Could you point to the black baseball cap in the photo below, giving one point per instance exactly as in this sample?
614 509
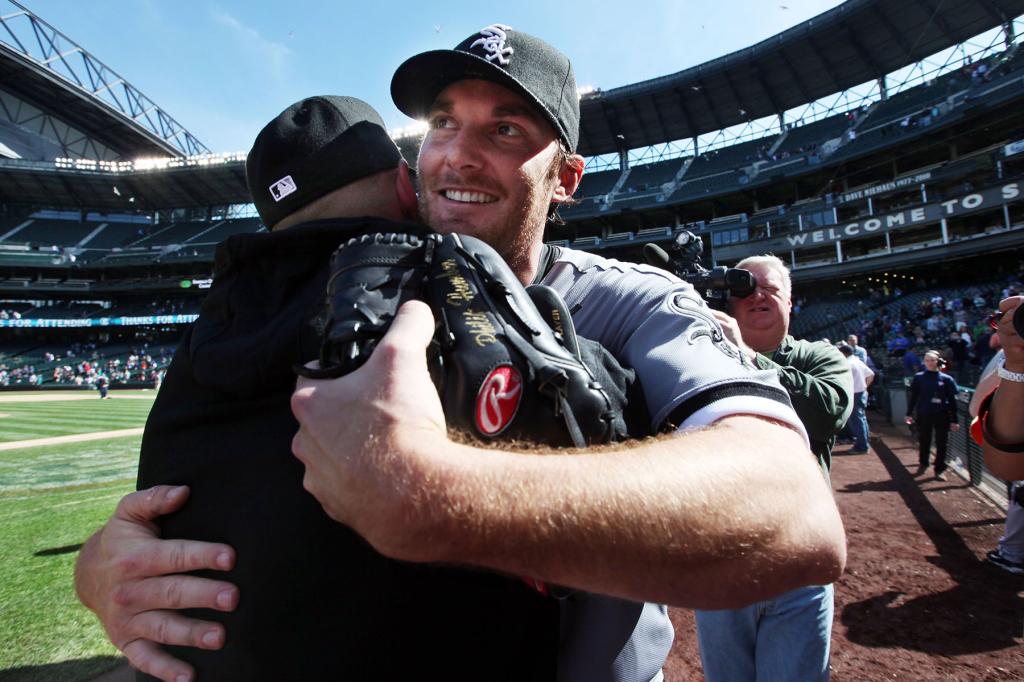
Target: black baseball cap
312 148
513 59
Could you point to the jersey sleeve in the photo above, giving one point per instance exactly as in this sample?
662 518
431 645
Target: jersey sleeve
651 321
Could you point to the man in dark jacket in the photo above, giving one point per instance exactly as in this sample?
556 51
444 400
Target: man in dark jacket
932 406
222 425
787 637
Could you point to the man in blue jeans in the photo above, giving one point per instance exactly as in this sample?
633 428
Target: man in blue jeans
862 378
785 638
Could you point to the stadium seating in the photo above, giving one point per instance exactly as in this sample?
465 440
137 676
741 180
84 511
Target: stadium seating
813 134
651 176
52 232
597 184
727 158
116 235
223 230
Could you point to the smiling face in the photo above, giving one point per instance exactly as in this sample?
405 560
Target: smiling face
490 166
763 317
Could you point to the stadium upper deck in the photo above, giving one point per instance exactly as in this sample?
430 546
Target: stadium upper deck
786 180
59 98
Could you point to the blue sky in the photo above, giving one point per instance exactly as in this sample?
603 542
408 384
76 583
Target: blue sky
223 69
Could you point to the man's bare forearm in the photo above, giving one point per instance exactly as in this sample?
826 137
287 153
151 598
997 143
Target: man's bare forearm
709 519
1004 426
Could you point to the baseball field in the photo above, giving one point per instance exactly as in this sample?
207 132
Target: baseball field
65 460
917 601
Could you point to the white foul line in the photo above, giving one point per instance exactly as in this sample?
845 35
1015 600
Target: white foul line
73 438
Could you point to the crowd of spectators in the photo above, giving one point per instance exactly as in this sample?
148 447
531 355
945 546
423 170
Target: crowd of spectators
957 326
25 375
84 365
138 366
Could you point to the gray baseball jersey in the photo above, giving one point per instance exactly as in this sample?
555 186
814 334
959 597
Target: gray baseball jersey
691 376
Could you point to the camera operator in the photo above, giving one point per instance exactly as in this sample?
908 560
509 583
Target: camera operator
785 638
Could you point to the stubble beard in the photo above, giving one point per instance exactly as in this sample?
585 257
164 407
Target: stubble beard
521 229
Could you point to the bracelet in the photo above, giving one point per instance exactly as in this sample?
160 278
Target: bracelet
987 436
1007 375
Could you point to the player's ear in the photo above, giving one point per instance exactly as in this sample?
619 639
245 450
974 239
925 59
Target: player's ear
405 192
570 172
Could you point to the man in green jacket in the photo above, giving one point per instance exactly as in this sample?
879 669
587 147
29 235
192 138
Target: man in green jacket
785 638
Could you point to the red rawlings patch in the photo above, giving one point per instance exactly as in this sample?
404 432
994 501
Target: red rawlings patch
498 400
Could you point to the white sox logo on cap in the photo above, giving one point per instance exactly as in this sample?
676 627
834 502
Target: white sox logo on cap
493 42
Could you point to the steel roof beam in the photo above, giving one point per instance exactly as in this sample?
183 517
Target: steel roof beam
639 118
659 117
712 111
993 11
936 18
861 52
824 62
685 109
795 76
894 35
765 90
740 108
62 57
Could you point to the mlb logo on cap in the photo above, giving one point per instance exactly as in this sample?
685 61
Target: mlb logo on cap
283 187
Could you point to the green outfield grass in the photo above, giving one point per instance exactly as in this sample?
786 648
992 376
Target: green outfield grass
51 499
24 421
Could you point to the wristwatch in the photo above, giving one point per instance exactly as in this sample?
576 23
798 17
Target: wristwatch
1007 375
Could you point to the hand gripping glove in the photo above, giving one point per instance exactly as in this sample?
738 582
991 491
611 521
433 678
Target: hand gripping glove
502 371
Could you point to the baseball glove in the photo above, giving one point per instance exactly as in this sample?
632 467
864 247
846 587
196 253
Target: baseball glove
371 276
503 370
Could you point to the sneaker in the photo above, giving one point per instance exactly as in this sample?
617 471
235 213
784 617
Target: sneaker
1015 567
855 451
921 468
940 476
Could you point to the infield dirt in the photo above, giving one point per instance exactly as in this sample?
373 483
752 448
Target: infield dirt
918 601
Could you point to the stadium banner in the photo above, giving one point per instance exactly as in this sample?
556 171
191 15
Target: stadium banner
885 187
983 200
1013 148
137 321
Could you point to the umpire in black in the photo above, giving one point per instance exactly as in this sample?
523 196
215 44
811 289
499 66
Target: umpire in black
322 171
932 406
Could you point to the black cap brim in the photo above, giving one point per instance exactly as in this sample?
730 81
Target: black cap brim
420 79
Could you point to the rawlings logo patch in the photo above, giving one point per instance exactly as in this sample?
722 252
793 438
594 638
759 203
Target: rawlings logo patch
493 43
498 400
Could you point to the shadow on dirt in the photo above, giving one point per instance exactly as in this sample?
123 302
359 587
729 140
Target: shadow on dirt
983 612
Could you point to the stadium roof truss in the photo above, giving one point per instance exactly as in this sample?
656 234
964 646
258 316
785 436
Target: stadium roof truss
855 43
41 65
835 62
52 132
